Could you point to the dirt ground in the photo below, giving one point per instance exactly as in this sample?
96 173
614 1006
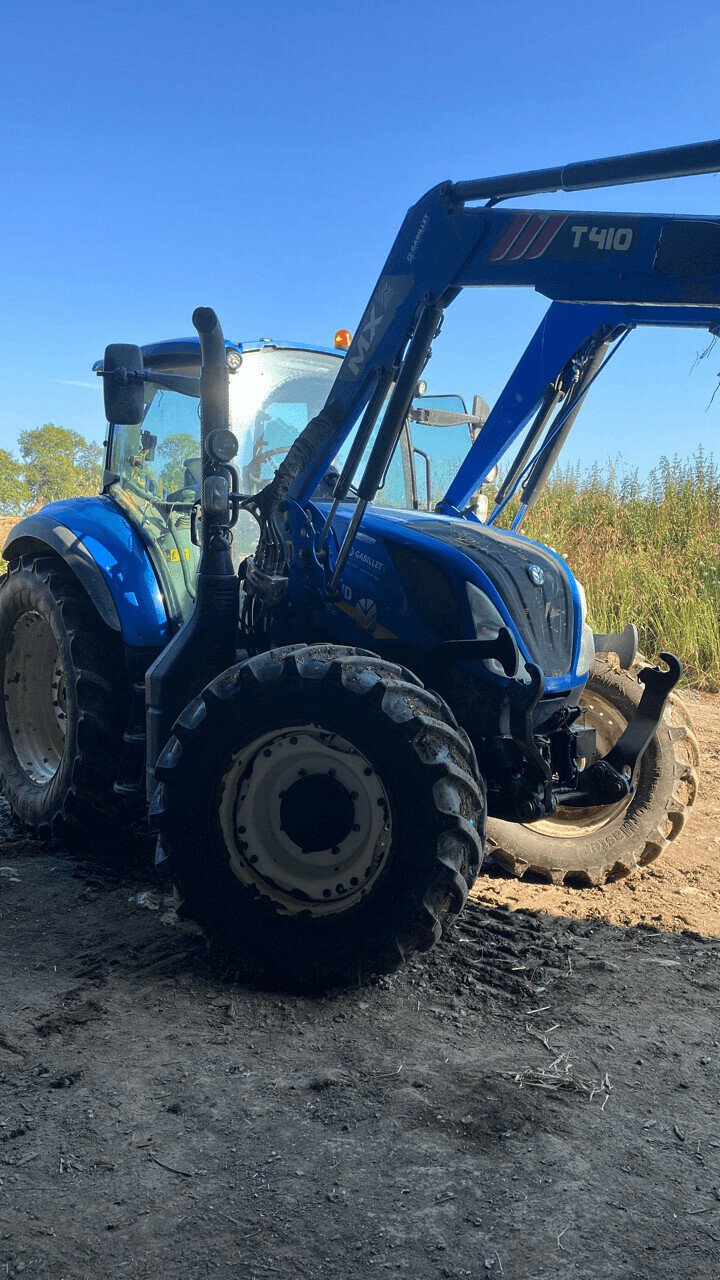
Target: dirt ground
539 1098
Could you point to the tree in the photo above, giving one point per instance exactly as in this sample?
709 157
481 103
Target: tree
59 463
14 492
173 451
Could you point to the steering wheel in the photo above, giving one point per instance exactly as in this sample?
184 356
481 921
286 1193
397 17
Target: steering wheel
257 460
269 453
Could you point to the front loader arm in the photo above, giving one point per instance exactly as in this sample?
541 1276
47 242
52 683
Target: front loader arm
427 254
445 245
563 331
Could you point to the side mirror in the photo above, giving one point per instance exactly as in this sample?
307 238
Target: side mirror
481 409
123 387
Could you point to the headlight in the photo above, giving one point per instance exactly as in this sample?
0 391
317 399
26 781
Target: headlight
487 621
583 600
586 656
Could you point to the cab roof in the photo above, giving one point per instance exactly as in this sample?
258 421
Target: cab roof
182 349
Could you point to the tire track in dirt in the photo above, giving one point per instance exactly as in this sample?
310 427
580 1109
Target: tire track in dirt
536 1098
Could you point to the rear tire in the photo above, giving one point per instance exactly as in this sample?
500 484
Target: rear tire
360 834
585 847
65 703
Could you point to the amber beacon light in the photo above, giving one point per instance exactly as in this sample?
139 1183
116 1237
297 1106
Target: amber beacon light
343 338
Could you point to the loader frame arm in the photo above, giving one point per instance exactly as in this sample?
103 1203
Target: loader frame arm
597 269
564 334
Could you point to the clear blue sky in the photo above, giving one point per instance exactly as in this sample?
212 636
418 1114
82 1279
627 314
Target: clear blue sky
260 158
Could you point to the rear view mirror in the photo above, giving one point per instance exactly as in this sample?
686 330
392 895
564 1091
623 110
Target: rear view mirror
123 388
449 411
441 418
481 410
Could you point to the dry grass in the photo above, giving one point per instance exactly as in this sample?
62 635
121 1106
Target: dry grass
647 552
561 1075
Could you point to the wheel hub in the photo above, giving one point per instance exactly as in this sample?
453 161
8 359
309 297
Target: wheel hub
35 688
316 812
306 819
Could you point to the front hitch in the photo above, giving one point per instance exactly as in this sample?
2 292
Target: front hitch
615 776
528 795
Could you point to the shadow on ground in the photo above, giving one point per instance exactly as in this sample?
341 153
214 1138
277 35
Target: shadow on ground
536 1098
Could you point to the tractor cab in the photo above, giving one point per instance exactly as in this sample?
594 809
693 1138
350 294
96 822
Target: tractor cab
154 467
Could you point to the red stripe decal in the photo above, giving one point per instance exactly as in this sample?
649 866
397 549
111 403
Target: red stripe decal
508 237
547 235
526 238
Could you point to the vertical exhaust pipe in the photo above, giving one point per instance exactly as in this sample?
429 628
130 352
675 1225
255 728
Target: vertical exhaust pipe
207 643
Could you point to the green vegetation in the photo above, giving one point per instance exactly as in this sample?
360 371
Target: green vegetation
15 494
646 552
58 463
54 463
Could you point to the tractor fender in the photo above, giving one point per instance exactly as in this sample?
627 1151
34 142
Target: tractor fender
105 551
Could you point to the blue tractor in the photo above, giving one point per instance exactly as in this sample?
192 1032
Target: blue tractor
285 625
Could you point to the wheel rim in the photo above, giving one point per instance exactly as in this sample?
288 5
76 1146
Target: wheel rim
36 698
570 823
306 819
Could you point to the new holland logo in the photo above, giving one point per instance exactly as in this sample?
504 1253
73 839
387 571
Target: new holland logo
366 612
527 236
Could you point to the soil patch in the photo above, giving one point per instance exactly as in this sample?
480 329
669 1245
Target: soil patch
536 1099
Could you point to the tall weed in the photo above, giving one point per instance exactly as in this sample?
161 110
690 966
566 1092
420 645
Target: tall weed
646 550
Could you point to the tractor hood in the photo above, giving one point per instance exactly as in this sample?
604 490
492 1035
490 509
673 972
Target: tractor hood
436 557
534 585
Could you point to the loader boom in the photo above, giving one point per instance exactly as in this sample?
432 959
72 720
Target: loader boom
624 270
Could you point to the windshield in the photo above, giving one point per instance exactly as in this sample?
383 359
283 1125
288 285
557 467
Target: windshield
157 466
438 451
273 396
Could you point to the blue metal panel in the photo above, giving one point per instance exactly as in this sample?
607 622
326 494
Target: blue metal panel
460 568
371 576
99 526
571 267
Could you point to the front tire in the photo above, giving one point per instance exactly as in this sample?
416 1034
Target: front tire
64 705
323 814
